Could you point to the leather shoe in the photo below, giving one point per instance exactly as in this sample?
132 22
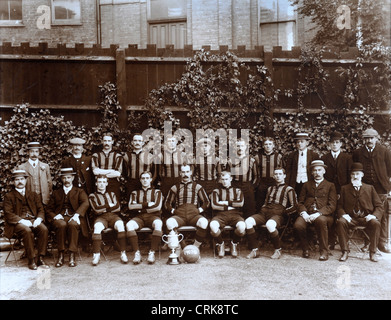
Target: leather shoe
373 257
60 260
324 257
384 249
72 262
344 256
306 254
32 265
41 262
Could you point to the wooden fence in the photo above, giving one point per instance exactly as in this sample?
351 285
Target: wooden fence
66 79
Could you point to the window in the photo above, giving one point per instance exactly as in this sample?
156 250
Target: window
277 20
66 12
167 22
167 10
11 12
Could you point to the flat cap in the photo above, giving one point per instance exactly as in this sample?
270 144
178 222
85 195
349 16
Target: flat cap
370 133
77 141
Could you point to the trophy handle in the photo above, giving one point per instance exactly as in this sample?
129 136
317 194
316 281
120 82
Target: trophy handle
164 235
181 236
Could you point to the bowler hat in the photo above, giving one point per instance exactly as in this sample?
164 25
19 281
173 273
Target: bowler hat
301 135
77 140
66 171
318 163
19 173
369 133
357 166
34 145
336 135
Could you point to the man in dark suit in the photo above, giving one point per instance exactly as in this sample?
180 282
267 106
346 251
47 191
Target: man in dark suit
316 206
24 216
337 171
359 205
376 161
81 165
298 163
66 213
338 163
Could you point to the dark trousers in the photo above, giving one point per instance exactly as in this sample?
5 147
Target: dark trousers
249 206
66 230
372 228
28 233
322 225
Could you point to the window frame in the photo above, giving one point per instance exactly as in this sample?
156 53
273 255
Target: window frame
279 22
65 22
11 22
182 18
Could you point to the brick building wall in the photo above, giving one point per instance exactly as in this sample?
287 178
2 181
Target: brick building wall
29 32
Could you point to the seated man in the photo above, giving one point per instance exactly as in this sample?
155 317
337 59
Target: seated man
147 202
227 204
183 202
359 205
106 207
280 200
65 211
317 203
24 216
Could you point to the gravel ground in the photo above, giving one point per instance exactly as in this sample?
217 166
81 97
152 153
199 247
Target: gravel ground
289 278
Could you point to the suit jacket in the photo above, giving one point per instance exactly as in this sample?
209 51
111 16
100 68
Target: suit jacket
291 166
367 197
78 200
13 203
45 179
338 172
85 171
381 163
324 196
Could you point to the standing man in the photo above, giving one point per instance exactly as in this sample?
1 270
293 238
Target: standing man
338 162
24 216
147 202
137 161
81 165
171 162
39 178
66 212
338 165
376 161
227 204
298 163
186 201
108 163
359 205
281 200
245 175
106 208
317 203
267 161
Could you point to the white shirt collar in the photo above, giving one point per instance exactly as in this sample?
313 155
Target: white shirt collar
66 190
21 191
33 163
335 153
77 156
318 182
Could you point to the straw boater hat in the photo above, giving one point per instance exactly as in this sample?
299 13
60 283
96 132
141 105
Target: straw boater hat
66 171
77 140
318 163
34 145
369 133
19 173
302 135
357 166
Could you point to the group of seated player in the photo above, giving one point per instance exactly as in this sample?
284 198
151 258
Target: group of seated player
243 192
